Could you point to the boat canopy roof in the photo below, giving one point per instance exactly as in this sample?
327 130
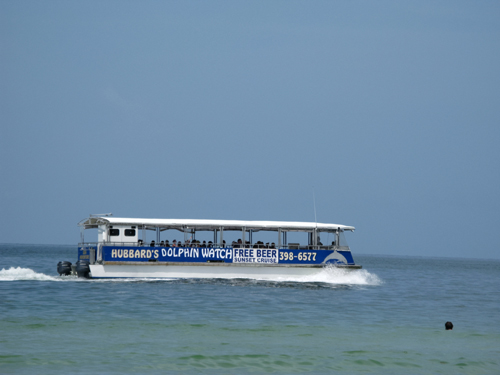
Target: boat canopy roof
95 221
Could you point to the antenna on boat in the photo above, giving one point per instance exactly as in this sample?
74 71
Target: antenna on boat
314 203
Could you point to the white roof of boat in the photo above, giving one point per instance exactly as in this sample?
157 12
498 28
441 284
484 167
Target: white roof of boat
93 221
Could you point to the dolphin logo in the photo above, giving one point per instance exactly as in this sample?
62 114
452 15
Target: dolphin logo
335 258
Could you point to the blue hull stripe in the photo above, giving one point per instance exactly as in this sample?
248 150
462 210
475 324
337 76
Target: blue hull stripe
226 255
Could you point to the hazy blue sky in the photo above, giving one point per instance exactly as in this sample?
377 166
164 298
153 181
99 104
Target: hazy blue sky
389 110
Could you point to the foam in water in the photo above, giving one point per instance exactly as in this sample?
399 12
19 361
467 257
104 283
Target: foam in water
331 275
15 274
335 275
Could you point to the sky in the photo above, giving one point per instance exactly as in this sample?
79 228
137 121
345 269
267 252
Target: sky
384 115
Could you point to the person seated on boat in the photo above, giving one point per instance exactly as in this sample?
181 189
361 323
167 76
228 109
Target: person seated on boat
179 244
152 244
167 244
162 243
140 243
273 246
210 244
333 243
267 245
204 244
234 244
174 243
188 243
224 243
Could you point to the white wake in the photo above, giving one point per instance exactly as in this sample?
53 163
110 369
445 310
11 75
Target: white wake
16 274
331 275
335 275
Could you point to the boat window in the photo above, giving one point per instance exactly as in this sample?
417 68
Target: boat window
342 240
130 232
114 232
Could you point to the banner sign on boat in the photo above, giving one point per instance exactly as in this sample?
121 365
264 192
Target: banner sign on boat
257 256
225 255
166 254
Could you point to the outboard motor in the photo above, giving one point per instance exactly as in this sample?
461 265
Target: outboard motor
83 268
64 268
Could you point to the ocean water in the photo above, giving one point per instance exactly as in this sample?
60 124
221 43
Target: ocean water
386 318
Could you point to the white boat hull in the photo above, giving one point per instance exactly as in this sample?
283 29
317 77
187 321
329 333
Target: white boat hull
204 271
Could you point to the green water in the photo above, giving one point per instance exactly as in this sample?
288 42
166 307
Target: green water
388 319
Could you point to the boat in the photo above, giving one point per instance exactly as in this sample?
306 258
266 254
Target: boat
146 248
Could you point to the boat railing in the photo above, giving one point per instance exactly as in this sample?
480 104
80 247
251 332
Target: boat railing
88 244
290 246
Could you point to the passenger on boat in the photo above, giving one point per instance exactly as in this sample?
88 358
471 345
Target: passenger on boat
204 244
162 243
174 243
167 244
210 244
152 244
223 243
140 243
179 244
273 246
188 243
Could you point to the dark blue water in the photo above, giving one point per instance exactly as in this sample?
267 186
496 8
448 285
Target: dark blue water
387 318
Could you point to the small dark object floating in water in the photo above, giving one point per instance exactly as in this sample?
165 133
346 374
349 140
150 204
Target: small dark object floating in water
64 268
